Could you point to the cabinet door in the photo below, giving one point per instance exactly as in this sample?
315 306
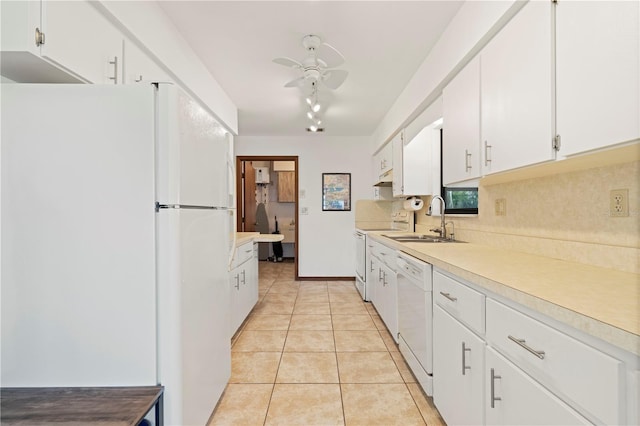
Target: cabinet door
397 183
137 67
461 126
516 86
458 371
514 398
417 170
236 300
386 158
389 301
81 40
374 280
598 75
286 187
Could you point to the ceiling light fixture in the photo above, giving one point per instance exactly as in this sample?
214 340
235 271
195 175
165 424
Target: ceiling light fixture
310 115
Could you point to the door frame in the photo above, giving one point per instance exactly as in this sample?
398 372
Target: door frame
294 158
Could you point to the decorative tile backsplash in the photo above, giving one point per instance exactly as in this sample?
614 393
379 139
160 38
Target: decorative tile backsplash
564 216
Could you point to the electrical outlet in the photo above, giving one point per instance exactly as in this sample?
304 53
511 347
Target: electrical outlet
501 207
619 203
304 210
303 193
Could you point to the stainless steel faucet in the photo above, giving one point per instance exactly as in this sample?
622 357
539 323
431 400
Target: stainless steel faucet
443 227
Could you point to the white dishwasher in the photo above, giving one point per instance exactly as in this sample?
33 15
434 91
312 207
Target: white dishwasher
415 318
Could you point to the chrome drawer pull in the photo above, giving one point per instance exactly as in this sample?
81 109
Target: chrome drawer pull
244 277
494 398
522 343
237 286
464 360
449 296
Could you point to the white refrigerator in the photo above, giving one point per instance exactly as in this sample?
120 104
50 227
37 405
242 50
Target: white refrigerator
117 232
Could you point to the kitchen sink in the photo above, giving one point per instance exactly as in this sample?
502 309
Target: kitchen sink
419 238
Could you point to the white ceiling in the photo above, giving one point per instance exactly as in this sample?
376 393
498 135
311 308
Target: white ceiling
383 42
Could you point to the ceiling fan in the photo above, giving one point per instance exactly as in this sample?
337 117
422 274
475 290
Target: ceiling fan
314 69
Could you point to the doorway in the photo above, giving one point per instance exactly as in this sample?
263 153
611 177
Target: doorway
267 194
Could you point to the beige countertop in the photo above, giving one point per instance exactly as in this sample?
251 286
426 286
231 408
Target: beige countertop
245 237
604 303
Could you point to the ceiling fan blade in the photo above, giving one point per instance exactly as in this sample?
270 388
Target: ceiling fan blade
298 82
288 62
330 55
334 78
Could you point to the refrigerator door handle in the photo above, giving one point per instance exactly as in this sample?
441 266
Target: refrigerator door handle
187 206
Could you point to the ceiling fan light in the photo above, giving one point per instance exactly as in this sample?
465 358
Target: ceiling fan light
319 122
316 107
310 115
313 128
309 101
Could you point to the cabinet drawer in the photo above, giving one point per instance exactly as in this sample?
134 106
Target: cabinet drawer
581 375
462 302
243 253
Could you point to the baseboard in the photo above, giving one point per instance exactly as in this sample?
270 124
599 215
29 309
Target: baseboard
325 278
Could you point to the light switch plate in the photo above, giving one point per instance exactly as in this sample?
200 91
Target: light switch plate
304 210
303 193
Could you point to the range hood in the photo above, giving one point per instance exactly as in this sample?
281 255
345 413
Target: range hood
385 179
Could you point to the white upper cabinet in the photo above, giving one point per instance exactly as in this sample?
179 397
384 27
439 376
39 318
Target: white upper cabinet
598 75
517 92
386 159
461 126
417 175
397 144
79 39
21 37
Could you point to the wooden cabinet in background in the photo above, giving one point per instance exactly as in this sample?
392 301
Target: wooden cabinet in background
286 187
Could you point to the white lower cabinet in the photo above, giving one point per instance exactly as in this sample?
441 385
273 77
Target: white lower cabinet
458 370
514 398
385 285
388 297
496 362
243 280
574 371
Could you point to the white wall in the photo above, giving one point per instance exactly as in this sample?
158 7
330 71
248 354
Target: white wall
325 239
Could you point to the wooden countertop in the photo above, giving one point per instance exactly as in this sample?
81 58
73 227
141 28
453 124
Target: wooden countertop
601 302
104 406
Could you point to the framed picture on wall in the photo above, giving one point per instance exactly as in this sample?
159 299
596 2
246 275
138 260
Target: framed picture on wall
336 192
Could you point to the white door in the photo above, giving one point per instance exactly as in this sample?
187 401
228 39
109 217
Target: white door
79 39
458 371
193 152
517 92
598 74
514 398
193 312
461 125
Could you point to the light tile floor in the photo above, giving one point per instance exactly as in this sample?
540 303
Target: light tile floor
313 353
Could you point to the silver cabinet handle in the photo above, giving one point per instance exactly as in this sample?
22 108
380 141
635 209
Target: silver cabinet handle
465 367
115 70
371 267
237 286
487 148
494 398
467 157
244 277
449 296
522 343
